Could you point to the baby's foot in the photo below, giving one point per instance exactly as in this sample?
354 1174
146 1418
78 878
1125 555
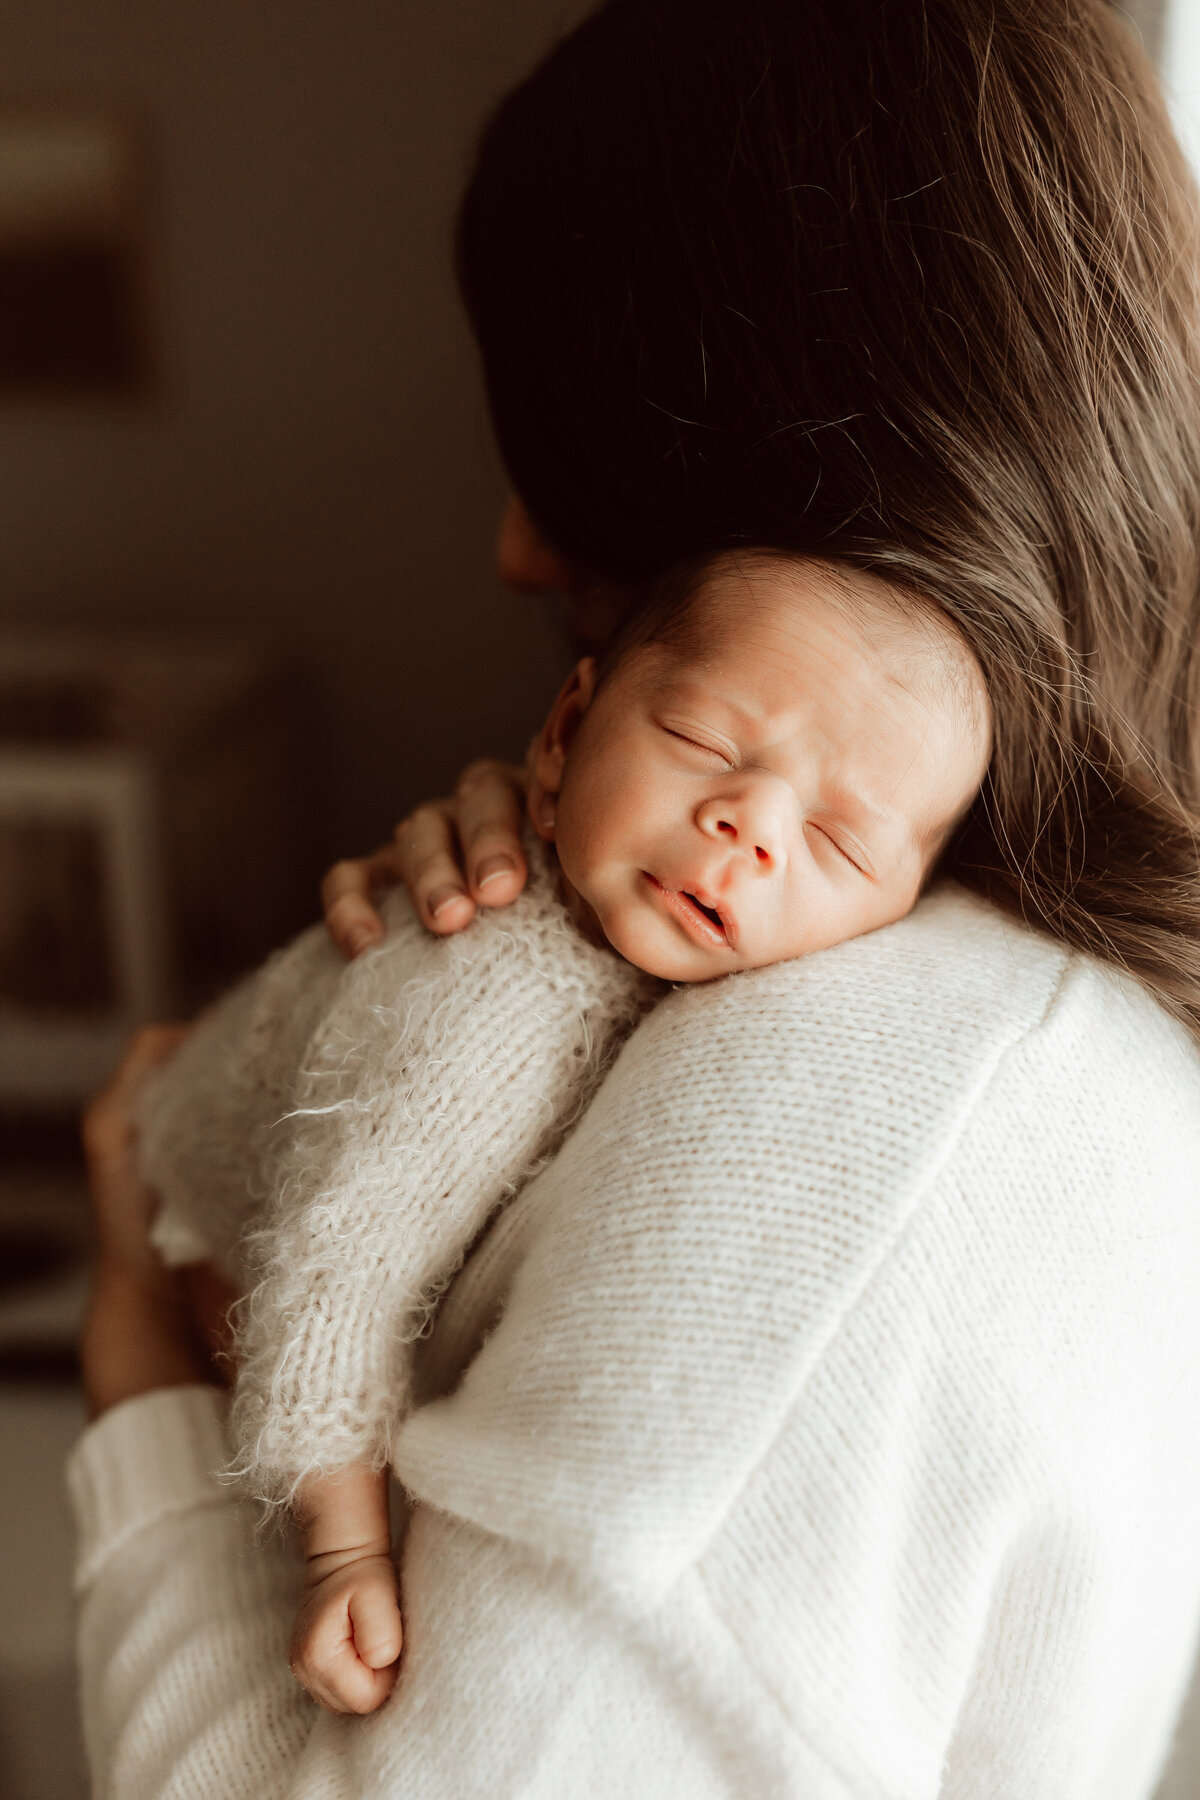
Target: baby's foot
347 1636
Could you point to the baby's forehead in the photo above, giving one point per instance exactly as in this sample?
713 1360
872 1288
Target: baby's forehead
880 673
744 607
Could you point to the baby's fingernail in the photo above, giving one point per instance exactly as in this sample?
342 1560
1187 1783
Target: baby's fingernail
443 897
493 867
362 939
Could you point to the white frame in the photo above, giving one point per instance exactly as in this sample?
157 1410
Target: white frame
57 1060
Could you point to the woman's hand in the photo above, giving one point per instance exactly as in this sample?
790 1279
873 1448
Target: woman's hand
138 1334
122 1205
451 855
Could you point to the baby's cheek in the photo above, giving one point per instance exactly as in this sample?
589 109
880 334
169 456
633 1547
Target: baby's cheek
625 931
579 833
642 941
815 916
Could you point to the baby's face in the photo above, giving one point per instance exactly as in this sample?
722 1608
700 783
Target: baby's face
776 783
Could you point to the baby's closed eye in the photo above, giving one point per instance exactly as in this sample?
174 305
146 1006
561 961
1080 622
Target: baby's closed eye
835 843
721 752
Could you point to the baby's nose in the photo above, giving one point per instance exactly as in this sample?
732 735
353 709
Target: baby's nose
747 823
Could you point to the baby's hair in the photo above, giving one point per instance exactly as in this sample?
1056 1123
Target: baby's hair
911 287
661 612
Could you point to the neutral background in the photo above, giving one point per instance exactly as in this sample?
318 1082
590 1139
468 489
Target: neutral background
314 463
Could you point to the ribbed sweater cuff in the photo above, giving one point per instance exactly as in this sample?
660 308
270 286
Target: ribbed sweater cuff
144 1460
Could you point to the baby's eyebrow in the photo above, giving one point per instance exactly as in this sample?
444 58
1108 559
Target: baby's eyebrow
866 814
856 805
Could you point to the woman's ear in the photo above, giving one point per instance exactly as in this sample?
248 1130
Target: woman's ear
549 757
524 559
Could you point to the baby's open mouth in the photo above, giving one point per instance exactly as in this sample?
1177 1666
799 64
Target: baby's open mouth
704 922
708 911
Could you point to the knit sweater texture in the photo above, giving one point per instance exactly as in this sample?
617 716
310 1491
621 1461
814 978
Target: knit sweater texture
822 1423
335 1135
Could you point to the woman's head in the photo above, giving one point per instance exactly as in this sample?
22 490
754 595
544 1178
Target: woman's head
910 286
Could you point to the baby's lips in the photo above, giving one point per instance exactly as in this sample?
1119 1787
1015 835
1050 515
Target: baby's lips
691 902
705 897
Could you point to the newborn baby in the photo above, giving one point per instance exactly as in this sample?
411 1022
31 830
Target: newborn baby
766 762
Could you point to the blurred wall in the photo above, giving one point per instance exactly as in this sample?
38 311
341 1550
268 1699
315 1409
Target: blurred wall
1149 17
1181 72
314 464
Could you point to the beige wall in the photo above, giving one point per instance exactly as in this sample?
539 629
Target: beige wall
1149 17
316 464
1181 66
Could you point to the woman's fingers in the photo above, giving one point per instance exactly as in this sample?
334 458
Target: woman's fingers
109 1118
489 806
424 857
451 855
350 918
430 862
457 854
136 1336
122 1204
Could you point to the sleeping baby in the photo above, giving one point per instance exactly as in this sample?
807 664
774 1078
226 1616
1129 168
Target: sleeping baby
767 761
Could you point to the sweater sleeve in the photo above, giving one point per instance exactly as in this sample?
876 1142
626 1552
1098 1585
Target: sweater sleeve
440 1073
183 1617
209 1121
511 1685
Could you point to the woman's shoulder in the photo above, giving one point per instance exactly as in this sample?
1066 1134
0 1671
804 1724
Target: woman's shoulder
906 1022
927 1005
954 958
739 1187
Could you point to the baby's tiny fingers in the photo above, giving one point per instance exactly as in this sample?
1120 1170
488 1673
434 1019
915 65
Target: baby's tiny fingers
333 1677
378 1634
350 1687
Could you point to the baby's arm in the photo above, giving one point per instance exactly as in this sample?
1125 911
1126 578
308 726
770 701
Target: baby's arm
347 1635
208 1121
439 1075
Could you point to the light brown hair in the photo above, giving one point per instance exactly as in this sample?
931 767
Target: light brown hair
910 285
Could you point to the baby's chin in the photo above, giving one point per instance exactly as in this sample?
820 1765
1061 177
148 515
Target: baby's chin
655 954
643 941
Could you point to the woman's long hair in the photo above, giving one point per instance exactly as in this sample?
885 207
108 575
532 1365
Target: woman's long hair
911 284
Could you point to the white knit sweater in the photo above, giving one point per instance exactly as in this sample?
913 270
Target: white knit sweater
822 1423
363 1120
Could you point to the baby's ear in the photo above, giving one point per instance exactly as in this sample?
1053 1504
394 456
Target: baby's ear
555 739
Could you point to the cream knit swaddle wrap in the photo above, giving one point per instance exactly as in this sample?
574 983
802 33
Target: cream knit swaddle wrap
407 1093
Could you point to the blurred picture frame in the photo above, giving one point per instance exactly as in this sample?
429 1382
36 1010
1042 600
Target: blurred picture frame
73 302
83 950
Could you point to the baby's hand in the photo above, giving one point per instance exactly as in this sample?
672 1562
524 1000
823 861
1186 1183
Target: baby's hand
347 1636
